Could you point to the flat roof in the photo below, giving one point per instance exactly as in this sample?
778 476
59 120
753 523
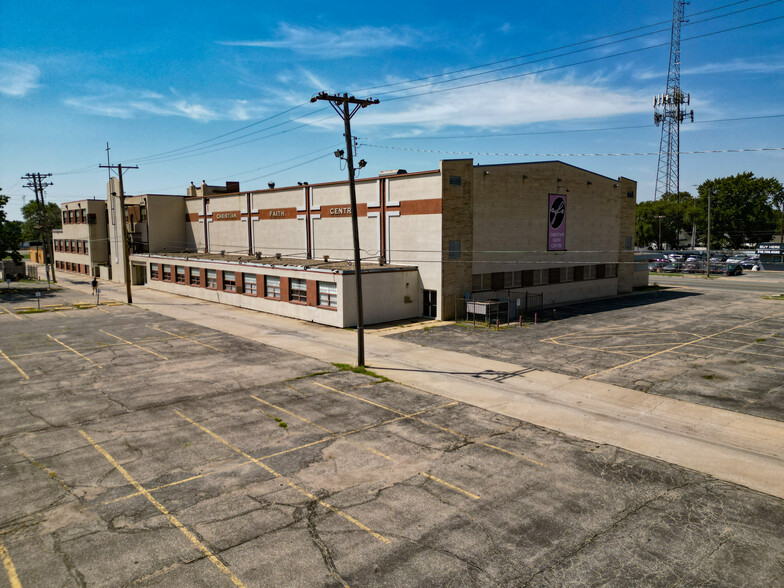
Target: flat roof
294 263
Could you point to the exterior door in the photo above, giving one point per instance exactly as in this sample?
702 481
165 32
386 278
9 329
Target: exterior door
430 305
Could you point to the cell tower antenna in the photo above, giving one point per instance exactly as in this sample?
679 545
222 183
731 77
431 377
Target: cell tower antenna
669 110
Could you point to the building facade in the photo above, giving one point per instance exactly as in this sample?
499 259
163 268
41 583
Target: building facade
82 245
461 231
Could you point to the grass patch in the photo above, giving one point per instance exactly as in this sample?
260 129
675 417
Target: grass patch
776 297
709 376
305 377
344 367
760 340
32 311
281 422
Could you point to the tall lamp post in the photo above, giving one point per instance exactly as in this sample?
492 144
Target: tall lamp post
707 261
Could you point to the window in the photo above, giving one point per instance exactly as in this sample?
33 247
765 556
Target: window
541 277
153 271
195 276
81 215
328 294
628 243
611 271
78 246
70 216
513 279
65 216
212 279
272 286
298 290
179 272
481 282
589 273
454 250
229 282
166 272
249 284
567 274
84 247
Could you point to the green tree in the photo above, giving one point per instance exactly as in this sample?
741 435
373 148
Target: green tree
34 220
673 211
742 209
10 234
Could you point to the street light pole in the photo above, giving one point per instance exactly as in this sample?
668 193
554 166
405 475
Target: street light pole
707 261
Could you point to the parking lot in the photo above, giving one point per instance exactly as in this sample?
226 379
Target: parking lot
142 450
723 348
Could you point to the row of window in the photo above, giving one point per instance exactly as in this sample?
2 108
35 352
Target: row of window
246 283
79 268
543 277
71 246
78 215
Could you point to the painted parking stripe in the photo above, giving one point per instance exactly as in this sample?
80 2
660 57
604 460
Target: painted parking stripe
13 578
291 484
134 344
3 308
13 363
452 486
431 424
75 351
188 339
172 519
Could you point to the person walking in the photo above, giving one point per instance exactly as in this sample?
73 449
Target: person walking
95 285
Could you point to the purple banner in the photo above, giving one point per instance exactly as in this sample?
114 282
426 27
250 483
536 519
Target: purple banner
556 227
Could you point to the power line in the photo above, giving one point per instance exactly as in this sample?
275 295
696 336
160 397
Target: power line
746 150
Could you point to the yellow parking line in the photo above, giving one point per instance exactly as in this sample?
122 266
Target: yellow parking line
13 578
742 351
172 519
11 313
13 363
134 344
299 447
74 350
188 339
684 345
291 484
539 463
448 485
428 423
555 342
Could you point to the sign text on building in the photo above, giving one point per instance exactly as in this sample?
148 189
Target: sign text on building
556 223
233 215
340 211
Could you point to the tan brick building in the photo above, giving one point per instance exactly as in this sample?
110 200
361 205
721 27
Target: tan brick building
431 239
82 245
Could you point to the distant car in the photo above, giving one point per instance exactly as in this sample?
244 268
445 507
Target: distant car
718 258
748 264
740 257
672 267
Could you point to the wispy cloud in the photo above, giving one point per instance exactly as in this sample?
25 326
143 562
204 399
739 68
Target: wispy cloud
18 79
734 65
119 102
511 102
329 43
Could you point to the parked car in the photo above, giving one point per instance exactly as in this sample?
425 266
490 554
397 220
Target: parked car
738 258
692 267
673 267
749 263
734 269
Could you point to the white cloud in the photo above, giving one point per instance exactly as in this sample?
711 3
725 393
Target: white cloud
17 79
736 65
118 102
330 43
510 102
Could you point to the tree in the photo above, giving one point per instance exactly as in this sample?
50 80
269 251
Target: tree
10 234
741 209
34 220
677 211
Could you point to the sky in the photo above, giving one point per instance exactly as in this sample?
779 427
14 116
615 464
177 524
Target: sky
220 91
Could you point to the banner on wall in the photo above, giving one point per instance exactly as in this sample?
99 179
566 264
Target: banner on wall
556 228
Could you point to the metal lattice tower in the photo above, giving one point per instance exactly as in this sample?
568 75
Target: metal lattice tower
670 112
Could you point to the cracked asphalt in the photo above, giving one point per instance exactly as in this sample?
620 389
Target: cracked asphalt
142 450
720 348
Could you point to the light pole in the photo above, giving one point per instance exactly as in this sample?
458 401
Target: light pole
707 261
659 245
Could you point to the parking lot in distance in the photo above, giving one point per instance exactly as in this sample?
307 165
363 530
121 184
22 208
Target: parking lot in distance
142 450
720 347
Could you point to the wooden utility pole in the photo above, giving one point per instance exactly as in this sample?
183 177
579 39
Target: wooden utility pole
126 244
346 106
36 183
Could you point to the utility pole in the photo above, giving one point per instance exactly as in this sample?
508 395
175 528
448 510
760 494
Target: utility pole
126 244
660 217
707 266
36 183
346 106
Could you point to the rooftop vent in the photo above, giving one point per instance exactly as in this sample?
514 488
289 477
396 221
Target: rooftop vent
326 258
258 255
392 172
278 256
223 253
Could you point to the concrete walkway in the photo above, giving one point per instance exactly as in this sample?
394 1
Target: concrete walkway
728 445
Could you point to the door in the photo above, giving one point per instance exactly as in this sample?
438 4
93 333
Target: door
430 305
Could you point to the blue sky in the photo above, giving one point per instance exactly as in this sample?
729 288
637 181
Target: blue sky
169 86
